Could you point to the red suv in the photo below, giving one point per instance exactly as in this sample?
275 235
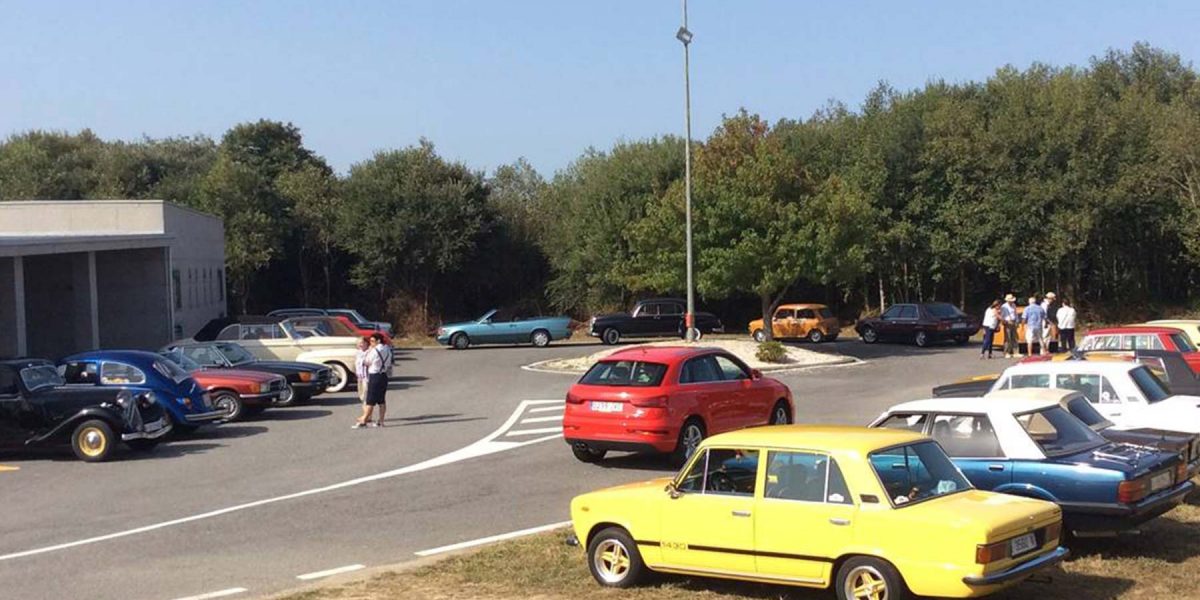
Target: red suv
667 399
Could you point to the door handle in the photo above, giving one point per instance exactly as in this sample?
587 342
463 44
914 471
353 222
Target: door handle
840 522
741 513
995 467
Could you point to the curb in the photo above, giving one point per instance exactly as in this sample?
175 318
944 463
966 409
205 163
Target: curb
845 361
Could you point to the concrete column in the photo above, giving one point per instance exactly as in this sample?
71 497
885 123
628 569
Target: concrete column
93 299
19 305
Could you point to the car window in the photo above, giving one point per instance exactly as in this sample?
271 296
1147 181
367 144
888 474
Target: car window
826 313
723 471
235 354
627 373
906 422
1158 366
967 436
917 472
700 370
171 371
908 312
892 313
1058 433
35 377
942 310
1041 380
231 332
806 313
1151 387
113 373
784 313
1086 383
1101 342
1181 342
730 370
1084 411
80 373
805 476
1146 342
670 309
203 355
8 381
647 310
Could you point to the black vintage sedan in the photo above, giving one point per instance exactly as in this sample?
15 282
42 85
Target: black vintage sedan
655 317
921 324
38 408
304 380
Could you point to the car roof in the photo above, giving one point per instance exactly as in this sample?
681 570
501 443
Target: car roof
1073 366
1134 329
660 353
130 356
976 406
681 300
1034 394
1169 322
803 305
817 437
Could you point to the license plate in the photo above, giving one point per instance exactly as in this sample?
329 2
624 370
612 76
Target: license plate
1023 544
960 326
1161 481
607 407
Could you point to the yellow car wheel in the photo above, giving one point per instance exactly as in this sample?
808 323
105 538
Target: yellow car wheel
865 578
613 558
92 441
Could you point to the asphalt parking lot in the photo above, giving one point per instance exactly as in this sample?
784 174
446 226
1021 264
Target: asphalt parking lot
261 506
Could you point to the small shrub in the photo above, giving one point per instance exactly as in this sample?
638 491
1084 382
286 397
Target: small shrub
771 352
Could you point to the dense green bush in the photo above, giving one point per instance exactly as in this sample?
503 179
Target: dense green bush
771 352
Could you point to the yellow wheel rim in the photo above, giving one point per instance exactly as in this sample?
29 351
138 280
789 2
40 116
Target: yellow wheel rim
612 561
866 583
92 441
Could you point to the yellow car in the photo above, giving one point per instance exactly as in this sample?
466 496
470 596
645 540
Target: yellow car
813 322
1190 328
877 514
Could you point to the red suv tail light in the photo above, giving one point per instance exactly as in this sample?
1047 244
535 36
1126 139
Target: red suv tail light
573 399
652 402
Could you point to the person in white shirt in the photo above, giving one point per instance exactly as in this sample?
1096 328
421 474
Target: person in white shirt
378 362
1066 325
360 369
991 321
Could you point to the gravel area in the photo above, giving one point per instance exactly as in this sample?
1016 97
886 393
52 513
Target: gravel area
743 349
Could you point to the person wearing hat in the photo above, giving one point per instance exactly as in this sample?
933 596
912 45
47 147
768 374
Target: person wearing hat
1050 305
1008 319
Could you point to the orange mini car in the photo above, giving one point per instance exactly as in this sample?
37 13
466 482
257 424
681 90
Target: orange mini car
814 322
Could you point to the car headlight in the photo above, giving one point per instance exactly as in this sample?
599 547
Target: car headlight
264 387
185 401
147 399
306 376
124 398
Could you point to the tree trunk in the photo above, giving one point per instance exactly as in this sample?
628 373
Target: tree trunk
768 313
304 283
962 287
328 277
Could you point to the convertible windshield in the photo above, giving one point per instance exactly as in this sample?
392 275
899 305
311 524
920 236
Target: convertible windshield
942 310
235 354
1152 388
181 360
1058 432
917 472
41 376
171 370
625 373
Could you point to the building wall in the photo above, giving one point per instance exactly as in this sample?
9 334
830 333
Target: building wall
78 216
57 304
133 300
198 263
8 309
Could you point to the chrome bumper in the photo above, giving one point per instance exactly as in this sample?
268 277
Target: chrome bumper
214 415
150 431
1022 570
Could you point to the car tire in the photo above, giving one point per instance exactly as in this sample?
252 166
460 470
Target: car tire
93 441
862 571
613 558
229 402
611 336
142 445
339 377
690 435
460 341
289 397
780 414
540 338
869 335
759 336
587 454
816 336
921 339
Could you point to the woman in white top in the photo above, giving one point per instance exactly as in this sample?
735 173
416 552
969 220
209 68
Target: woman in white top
991 321
1066 325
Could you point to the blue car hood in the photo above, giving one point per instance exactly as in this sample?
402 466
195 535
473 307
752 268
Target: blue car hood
460 324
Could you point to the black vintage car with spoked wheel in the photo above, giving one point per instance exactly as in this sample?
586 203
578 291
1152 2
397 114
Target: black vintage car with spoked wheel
37 408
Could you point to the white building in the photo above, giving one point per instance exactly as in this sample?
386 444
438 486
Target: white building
84 274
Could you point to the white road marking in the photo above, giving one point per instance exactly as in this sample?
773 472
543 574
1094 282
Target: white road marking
490 539
483 447
534 431
330 572
548 408
540 420
217 594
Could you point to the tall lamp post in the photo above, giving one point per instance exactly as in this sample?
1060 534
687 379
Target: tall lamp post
685 36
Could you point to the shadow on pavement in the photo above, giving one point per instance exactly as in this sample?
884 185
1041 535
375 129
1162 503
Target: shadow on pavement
171 450
431 419
325 401
295 414
639 462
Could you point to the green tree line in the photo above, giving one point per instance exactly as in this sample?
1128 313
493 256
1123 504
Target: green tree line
1082 180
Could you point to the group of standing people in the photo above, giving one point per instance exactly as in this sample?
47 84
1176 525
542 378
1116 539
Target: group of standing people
371 368
1046 320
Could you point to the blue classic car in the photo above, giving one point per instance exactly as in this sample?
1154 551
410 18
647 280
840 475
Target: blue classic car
186 403
502 327
1032 446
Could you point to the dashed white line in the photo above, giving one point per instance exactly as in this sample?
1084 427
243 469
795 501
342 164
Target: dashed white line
330 572
490 539
216 594
534 431
483 447
540 420
548 408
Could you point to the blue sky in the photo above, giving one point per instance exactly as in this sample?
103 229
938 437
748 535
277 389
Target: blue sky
490 81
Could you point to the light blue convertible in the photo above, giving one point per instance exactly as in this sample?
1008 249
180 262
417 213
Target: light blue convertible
501 327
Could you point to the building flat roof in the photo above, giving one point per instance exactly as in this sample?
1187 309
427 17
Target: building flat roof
62 243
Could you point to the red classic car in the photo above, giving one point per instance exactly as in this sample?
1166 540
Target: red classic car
1138 337
337 326
668 399
238 392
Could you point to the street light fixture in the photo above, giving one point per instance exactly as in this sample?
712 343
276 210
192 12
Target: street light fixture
684 35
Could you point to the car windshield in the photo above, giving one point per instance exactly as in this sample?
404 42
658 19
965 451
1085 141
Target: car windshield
825 313
177 357
941 310
1084 411
1152 388
350 313
628 373
326 326
171 370
1182 344
1058 432
917 472
290 330
41 376
235 354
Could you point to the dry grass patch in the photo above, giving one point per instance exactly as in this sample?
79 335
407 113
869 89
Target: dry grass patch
1161 563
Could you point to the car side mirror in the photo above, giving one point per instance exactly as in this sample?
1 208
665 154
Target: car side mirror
755 374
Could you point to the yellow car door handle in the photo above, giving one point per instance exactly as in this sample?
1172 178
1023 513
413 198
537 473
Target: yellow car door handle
741 513
841 522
